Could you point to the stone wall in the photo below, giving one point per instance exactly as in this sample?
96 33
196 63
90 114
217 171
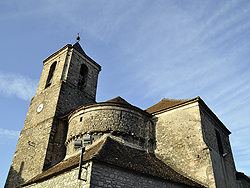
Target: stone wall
223 166
99 175
67 179
30 153
49 100
98 119
56 149
180 143
60 58
110 176
65 78
70 96
74 71
209 126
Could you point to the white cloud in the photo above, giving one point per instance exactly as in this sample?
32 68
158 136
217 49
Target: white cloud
9 133
17 85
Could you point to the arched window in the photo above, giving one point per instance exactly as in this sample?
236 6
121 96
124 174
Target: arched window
51 72
82 76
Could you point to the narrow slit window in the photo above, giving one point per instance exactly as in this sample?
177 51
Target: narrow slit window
82 77
51 72
219 141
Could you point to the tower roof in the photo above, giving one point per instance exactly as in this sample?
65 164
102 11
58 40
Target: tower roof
76 46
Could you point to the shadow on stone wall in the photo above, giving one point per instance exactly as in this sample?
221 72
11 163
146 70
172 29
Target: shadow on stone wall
152 135
14 178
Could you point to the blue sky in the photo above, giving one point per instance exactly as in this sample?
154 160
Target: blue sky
148 50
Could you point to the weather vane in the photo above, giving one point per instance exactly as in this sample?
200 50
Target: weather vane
78 37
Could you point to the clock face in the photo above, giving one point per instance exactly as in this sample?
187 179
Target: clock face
39 108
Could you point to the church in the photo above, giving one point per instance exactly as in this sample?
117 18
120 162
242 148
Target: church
70 140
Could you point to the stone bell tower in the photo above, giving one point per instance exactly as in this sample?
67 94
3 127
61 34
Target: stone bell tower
68 80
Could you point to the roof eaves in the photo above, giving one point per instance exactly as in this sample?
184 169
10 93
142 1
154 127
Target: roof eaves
112 152
78 48
66 164
184 103
107 103
57 52
214 117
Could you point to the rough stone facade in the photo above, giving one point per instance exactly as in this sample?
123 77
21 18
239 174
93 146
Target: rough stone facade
98 175
67 179
180 143
125 121
187 140
110 176
223 163
35 147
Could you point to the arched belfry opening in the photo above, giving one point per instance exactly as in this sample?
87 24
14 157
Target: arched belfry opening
51 72
82 76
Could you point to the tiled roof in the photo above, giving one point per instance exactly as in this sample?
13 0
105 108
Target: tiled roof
118 99
167 103
66 164
113 152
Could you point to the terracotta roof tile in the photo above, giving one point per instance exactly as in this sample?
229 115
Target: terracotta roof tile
129 158
113 152
167 103
66 164
118 99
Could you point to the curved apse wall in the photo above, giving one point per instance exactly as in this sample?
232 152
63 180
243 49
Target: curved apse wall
124 121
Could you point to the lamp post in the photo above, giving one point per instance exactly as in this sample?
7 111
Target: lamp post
78 145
